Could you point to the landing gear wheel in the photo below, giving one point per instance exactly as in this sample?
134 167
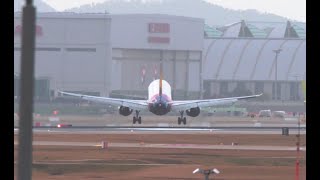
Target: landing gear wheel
179 120
139 120
184 120
134 120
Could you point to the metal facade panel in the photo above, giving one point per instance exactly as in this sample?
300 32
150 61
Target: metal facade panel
264 63
72 50
50 66
229 64
248 61
257 59
238 61
181 75
84 70
116 73
215 53
87 31
194 75
70 29
284 58
132 31
300 47
299 64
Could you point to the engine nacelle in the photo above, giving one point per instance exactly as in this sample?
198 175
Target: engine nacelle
125 111
193 112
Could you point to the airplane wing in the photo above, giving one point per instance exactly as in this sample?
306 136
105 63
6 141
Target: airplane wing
132 104
184 105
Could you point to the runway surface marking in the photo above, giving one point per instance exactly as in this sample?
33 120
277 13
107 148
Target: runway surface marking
160 131
177 146
103 163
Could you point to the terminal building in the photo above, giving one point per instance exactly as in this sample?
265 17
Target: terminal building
118 55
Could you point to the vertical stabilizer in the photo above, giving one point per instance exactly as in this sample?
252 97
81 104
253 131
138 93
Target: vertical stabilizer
160 80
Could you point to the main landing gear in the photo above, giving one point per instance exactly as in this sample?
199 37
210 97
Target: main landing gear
136 118
182 119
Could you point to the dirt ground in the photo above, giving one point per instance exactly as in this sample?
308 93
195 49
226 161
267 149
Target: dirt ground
66 162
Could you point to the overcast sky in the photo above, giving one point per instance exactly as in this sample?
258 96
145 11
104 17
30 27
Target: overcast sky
292 9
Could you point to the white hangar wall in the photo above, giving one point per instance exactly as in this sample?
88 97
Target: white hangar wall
72 50
141 41
99 53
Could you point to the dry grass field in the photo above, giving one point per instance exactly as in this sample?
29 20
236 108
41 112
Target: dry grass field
116 163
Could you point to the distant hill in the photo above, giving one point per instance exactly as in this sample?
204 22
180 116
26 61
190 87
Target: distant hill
213 14
40 5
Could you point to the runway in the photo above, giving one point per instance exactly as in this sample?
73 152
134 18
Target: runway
164 130
168 146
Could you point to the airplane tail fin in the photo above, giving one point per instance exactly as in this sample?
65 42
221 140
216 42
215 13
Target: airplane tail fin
160 80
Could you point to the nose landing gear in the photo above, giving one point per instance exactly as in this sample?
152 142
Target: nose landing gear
136 118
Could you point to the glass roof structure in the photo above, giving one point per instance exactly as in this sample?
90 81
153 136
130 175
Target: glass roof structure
210 32
264 30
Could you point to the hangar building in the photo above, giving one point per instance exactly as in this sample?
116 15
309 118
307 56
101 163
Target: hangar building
114 55
99 53
241 59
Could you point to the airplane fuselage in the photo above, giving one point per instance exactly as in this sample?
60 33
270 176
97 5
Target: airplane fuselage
159 104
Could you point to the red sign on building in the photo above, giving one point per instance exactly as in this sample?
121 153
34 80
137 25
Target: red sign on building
158 39
18 30
159 28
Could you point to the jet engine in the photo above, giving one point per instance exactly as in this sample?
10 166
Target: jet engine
125 111
193 112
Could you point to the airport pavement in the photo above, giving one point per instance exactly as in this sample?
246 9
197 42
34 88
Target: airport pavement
168 146
165 130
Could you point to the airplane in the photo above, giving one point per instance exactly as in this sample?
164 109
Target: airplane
160 102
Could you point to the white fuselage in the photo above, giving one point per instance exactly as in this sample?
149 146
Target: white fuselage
159 104
153 89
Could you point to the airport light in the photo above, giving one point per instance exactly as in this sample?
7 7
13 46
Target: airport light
206 172
277 51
